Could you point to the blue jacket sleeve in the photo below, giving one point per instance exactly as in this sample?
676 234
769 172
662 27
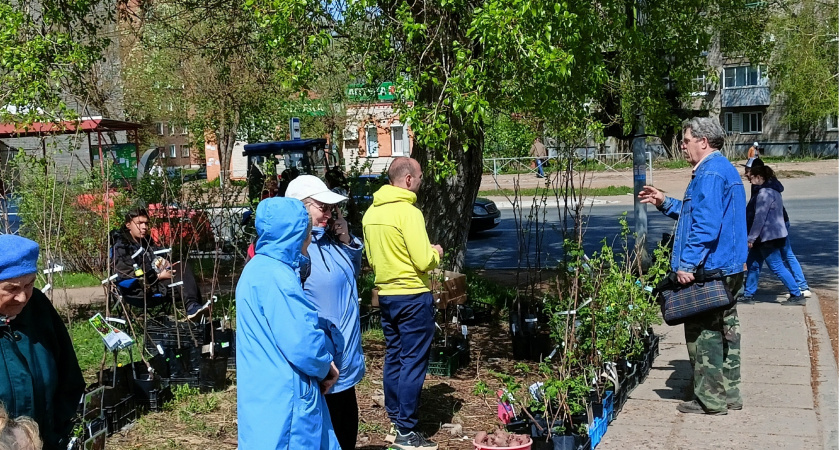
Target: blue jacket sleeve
763 202
293 324
671 207
354 251
706 211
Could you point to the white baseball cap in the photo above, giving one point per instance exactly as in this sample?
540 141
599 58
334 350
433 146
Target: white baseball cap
755 144
310 186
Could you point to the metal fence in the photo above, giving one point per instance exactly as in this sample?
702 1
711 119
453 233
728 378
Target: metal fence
614 162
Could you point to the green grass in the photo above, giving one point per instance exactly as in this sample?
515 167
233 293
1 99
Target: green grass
63 280
373 335
479 289
536 192
89 348
670 164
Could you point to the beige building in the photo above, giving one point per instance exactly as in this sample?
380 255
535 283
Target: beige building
374 136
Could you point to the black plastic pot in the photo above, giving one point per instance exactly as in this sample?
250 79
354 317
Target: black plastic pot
563 442
212 374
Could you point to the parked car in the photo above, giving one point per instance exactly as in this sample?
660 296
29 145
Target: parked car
485 215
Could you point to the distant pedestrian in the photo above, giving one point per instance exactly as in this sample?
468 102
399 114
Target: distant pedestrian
283 358
789 258
399 251
753 152
540 155
768 233
336 257
711 233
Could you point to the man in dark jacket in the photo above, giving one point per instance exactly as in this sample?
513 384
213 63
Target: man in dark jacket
39 373
143 272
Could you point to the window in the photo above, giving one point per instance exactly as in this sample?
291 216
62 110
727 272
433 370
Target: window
184 131
185 151
372 142
399 141
171 129
161 128
831 122
744 76
744 123
751 122
173 151
699 86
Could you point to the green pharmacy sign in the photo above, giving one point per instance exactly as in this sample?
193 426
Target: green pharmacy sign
385 92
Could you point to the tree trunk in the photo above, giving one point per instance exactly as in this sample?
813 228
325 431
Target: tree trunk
447 205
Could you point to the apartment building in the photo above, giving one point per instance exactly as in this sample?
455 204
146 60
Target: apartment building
173 144
749 110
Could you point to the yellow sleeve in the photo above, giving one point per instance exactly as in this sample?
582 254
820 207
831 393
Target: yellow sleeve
420 251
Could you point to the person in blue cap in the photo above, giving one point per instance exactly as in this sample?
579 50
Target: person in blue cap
284 356
39 373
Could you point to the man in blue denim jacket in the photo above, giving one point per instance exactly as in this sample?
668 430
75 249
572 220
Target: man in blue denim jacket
712 233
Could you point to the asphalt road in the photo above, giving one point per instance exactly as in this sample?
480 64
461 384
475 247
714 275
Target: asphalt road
814 231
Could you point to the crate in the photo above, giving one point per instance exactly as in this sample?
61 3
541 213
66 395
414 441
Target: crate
191 381
372 320
159 397
445 361
609 404
474 313
597 429
121 414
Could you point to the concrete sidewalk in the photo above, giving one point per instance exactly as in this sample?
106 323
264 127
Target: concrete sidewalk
788 401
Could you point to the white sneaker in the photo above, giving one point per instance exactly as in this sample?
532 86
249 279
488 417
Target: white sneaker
805 293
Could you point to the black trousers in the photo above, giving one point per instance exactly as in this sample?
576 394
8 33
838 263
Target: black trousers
344 413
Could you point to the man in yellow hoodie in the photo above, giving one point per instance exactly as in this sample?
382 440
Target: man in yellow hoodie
399 251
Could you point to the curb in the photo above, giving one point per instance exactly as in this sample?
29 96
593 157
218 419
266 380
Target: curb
827 377
504 203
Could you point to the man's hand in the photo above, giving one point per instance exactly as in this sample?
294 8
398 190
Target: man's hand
166 274
330 379
650 194
749 245
438 249
684 277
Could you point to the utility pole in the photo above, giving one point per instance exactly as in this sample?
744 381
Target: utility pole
639 181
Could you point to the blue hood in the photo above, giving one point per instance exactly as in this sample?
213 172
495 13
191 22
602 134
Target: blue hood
281 229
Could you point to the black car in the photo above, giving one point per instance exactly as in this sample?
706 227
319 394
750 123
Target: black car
485 214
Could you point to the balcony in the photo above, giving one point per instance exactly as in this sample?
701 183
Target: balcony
745 96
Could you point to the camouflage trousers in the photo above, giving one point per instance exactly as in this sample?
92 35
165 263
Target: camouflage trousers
714 349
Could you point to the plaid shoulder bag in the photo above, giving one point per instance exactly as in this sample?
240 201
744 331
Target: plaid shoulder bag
680 302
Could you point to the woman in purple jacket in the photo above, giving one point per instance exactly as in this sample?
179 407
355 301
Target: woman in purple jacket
768 233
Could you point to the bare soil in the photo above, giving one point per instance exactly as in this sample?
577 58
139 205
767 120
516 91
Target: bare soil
443 400
829 307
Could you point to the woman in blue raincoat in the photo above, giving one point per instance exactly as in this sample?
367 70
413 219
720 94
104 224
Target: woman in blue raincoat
282 356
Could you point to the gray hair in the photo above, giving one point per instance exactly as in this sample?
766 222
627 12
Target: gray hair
706 127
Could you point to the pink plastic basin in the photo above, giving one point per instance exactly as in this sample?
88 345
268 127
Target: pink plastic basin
515 447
